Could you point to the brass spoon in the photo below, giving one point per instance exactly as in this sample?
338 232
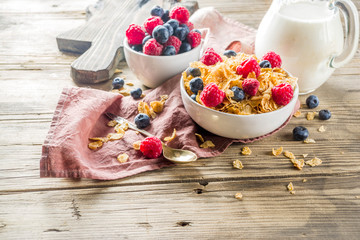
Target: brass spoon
171 154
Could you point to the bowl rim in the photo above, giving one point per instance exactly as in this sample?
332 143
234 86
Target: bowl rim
127 46
296 93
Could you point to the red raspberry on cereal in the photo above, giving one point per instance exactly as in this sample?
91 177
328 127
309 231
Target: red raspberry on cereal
134 34
273 58
173 41
151 23
152 47
210 57
250 86
194 38
211 95
248 66
180 13
282 93
190 25
151 147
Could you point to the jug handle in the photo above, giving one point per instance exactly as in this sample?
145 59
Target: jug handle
351 18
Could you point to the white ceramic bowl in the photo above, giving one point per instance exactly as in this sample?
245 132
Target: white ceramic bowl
237 126
152 71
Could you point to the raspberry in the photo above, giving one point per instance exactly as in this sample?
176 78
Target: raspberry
152 47
173 41
151 23
190 25
194 38
180 13
151 147
282 94
273 58
210 57
212 96
250 86
248 66
134 34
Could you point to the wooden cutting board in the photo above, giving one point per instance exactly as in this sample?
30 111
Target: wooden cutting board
100 39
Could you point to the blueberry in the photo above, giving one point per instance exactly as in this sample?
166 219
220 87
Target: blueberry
137 48
195 72
238 93
142 120
165 17
148 37
174 23
161 34
157 11
324 114
196 30
169 28
185 47
230 53
183 25
312 101
300 133
265 64
169 51
181 33
193 97
136 93
118 83
196 84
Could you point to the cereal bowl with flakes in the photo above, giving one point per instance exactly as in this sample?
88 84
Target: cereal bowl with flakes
237 95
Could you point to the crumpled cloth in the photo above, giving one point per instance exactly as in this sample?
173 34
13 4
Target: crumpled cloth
79 115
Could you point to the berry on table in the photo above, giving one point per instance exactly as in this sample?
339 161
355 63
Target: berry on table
210 57
180 13
142 120
165 17
118 83
152 47
169 28
282 93
265 64
151 147
157 11
181 33
230 53
248 66
195 72
250 86
312 101
161 34
185 47
212 96
169 51
194 38
136 93
239 94
196 84
134 34
137 48
173 41
324 114
151 23
273 58
300 133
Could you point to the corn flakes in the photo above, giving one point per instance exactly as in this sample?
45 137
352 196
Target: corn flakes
277 152
207 144
246 151
122 158
169 139
289 155
314 162
136 145
238 196
95 145
290 186
309 140
114 136
297 114
112 123
310 115
198 136
322 129
298 163
237 164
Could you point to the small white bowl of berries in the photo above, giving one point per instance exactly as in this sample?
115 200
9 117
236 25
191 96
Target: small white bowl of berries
163 46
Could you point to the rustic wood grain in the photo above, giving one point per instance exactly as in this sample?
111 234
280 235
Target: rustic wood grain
170 203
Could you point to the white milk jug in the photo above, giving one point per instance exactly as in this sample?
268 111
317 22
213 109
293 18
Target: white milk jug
309 37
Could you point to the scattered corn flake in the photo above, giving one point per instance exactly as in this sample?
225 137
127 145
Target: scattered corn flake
137 132
342 152
304 180
112 123
198 136
130 84
310 115
238 196
142 95
314 162
309 140
321 129
114 136
207 144
292 192
169 139
297 113
143 107
122 158
278 151
289 155
98 139
305 155
164 97
125 92
118 71
95 145
157 106
246 151
115 91
290 186
136 145
298 163
358 197
237 164
121 128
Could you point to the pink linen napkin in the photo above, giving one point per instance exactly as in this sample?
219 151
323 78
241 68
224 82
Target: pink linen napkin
79 115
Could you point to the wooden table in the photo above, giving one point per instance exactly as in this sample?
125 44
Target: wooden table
194 201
